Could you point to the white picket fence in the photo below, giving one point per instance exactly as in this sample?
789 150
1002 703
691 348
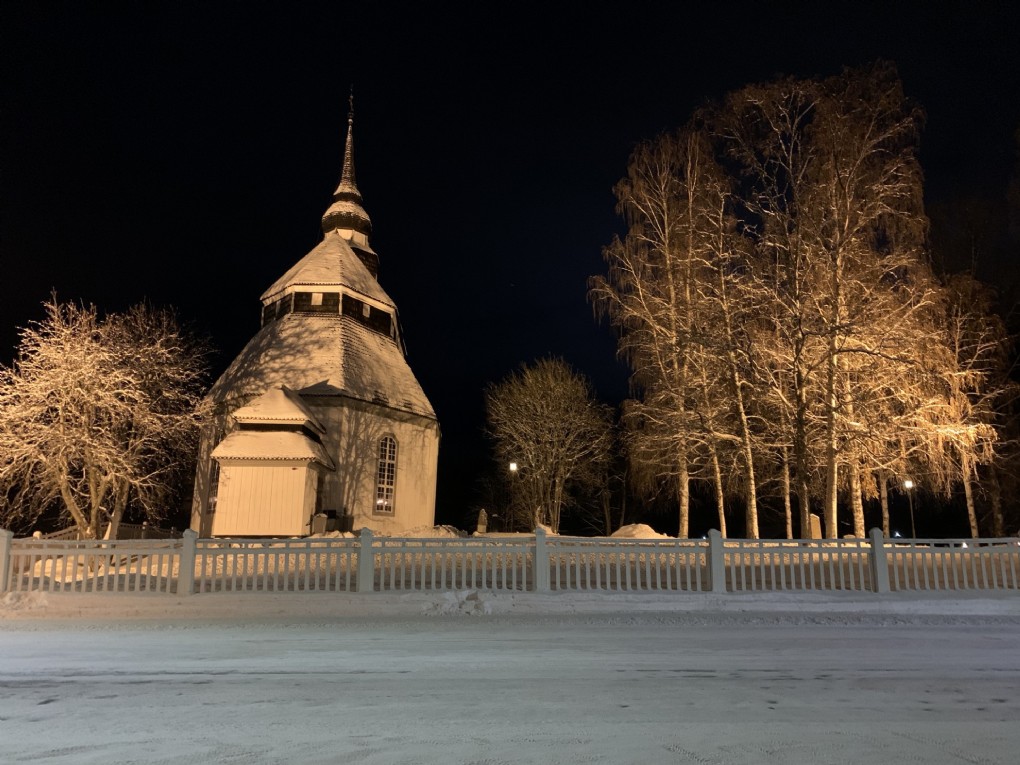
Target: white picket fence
69 565
277 565
781 565
628 565
538 563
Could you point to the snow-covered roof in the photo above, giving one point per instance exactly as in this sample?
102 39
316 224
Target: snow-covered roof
323 355
278 406
332 263
271 445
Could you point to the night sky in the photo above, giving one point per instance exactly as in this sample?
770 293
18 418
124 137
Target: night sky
185 152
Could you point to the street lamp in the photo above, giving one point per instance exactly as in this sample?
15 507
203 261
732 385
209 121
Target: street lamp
513 492
909 485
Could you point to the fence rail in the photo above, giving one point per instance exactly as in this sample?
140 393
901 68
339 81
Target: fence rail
781 565
628 565
499 564
291 565
943 564
124 531
536 563
61 565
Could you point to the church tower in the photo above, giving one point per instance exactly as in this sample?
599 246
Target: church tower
320 414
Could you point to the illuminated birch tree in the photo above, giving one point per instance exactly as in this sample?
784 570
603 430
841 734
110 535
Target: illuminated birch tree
832 190
774 299
762 130
650 296
679 295
975 391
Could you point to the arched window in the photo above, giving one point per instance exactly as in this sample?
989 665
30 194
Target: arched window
386 476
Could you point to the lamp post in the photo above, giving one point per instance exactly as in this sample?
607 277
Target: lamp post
909 486
513 491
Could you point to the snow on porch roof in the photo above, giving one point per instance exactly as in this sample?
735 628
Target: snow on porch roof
332 263
279 406
269 445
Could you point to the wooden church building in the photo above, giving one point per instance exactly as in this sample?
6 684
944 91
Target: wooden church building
320 415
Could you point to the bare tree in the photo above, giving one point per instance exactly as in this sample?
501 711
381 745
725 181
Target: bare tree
97 414
831 190
661 294
544 419
976 389
774 297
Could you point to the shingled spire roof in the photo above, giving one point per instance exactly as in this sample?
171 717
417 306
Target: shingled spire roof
347 212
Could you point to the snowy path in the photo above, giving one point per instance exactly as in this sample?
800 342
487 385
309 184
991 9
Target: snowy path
641 687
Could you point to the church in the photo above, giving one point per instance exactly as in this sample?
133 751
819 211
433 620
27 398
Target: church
320 417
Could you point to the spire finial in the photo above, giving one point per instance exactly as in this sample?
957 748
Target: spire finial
346 212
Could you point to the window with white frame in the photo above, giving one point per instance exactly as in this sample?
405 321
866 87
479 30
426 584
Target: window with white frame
214 486
386 476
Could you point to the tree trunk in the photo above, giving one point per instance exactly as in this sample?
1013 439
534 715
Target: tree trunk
883 493
556 506
831 468
800 456
751 515
835 321
995 492
623 497
720 500
119 507
787 508
856 503
752 491
854 471
99 486
84 527
968 491
684 496
713 452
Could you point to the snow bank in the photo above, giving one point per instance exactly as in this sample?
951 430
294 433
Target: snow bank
22 601
297 608
427 532
421 532
638 531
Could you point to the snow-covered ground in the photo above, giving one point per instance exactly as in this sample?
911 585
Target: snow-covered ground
477 678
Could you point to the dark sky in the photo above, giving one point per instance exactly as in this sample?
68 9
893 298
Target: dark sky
184 153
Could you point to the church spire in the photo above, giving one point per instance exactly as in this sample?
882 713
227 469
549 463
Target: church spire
347 176
346 214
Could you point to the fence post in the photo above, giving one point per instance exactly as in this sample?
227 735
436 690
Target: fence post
879 566
716 561
5 558
186 569
366 563
541 561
